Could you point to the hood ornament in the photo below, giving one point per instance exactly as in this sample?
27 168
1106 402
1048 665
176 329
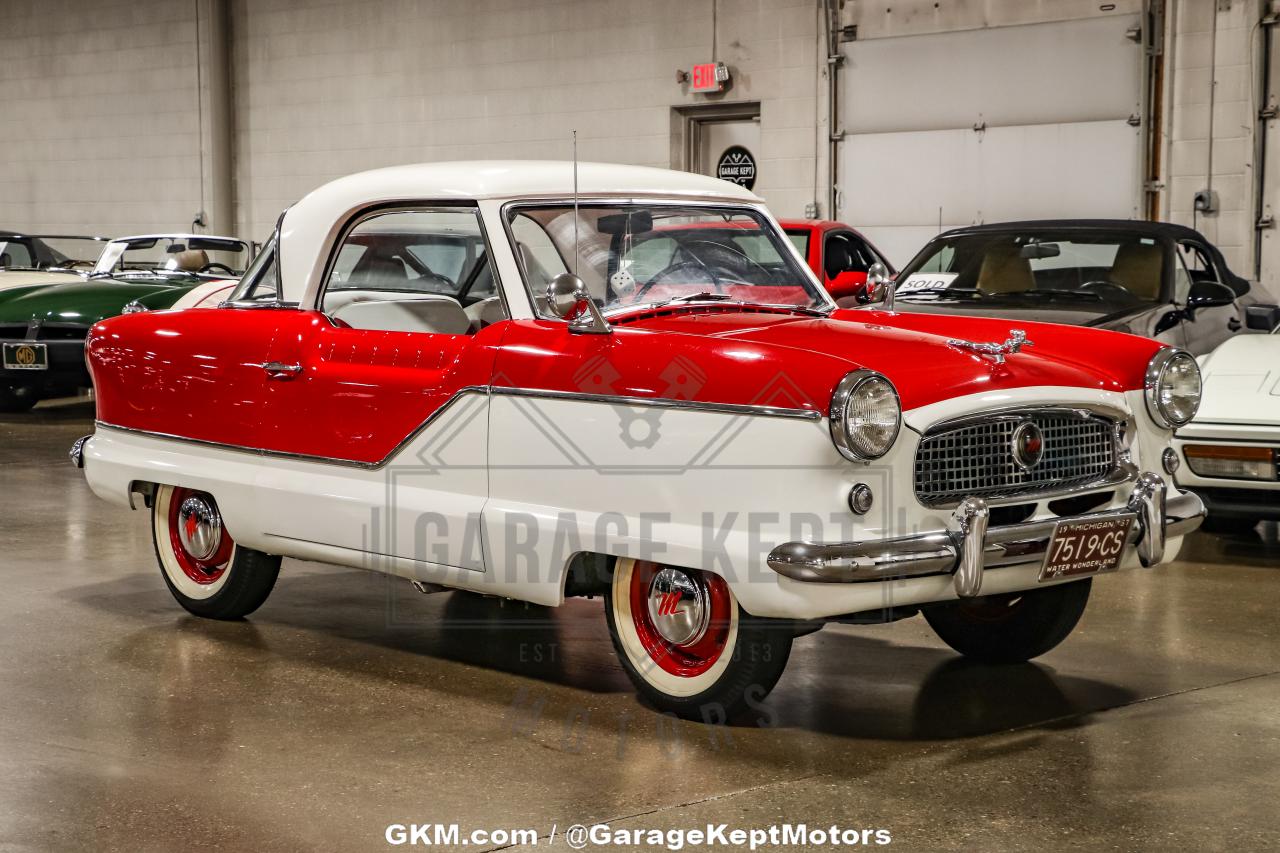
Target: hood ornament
1016 341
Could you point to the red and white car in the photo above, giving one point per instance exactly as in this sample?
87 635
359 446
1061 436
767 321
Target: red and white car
468 376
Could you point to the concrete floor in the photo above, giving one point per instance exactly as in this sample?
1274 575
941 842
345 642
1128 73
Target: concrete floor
346 704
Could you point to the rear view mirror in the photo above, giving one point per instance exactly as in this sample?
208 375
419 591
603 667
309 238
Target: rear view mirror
1032 251
639 222
1262 318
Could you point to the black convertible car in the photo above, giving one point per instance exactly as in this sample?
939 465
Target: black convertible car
1149 278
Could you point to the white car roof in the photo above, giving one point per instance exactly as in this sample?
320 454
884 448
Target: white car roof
311 224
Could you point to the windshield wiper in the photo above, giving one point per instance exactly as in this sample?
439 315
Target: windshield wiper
954 293
704 295
1070 294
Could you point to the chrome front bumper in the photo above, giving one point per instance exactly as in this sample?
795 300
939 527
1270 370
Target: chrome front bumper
972 546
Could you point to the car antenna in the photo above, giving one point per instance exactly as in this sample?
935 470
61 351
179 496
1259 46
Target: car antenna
575 201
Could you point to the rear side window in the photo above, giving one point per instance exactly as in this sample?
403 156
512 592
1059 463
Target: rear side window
420 270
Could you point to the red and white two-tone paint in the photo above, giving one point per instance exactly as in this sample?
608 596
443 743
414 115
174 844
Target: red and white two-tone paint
467 375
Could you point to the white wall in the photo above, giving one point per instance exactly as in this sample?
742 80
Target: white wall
1212 83
100 120
325 88
102 130
98 126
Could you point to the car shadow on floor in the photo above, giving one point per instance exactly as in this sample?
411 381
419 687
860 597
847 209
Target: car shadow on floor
1258 548
69 410
837 683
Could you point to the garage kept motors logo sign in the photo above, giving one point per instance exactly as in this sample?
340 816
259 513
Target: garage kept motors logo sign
737 165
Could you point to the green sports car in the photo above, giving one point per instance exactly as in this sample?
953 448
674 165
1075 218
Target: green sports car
43 326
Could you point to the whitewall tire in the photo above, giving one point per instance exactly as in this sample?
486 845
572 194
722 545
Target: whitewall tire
201 564
687 645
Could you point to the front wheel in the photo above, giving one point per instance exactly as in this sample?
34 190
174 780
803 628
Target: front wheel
207 572
687 645
18 398
1012 627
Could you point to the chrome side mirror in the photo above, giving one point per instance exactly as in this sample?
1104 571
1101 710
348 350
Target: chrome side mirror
879 285
568 299
565 293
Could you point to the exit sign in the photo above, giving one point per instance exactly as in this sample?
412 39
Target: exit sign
708 77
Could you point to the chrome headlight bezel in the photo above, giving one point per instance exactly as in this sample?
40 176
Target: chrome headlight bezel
1158 370
845 431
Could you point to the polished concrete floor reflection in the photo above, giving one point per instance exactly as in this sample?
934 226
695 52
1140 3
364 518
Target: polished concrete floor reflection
350 702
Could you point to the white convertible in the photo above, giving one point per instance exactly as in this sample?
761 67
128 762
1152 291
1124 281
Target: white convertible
1231 451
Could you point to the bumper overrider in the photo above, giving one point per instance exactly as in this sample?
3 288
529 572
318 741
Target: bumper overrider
972 546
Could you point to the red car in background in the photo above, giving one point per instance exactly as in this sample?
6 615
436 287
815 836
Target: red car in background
837 254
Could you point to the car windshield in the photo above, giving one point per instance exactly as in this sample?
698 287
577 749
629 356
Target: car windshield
1103 271
49 252
636 254
174 255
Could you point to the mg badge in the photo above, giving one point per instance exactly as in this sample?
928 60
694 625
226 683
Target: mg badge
25 356
1028 446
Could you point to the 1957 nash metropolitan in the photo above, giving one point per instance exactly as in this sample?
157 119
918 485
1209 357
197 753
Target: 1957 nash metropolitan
474 377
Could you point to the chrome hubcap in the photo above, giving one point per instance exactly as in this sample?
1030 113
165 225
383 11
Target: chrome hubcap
678 607
199 527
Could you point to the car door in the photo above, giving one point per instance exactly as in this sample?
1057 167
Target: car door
378 396
1205 328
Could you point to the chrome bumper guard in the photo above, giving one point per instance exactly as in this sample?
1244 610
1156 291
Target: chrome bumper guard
77 451
972 546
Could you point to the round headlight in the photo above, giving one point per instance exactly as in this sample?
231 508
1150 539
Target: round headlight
865 415
1173 387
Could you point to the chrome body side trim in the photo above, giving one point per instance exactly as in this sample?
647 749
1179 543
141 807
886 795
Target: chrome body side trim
1159 517
662 402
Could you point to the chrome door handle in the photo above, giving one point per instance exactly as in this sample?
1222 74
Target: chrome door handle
280 370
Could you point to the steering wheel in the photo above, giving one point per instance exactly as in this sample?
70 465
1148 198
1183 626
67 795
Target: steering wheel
212 265
679 267
1104 288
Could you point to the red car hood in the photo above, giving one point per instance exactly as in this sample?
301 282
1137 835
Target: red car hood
912 350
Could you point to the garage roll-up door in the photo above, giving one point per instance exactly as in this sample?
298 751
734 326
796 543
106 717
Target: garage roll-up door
1054 105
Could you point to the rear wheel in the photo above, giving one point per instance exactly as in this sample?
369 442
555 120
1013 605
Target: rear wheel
18 398
1013 627
207 572
687 645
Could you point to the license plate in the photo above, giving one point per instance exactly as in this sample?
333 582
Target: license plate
26 357
1086 547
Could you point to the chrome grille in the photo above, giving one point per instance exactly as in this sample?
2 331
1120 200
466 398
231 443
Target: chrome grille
976 458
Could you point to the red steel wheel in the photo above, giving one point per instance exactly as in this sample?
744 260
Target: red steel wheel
207 572
687 645
201 545
682 619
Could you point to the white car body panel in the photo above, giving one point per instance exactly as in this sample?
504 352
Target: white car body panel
1240 406
782 478
11 279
